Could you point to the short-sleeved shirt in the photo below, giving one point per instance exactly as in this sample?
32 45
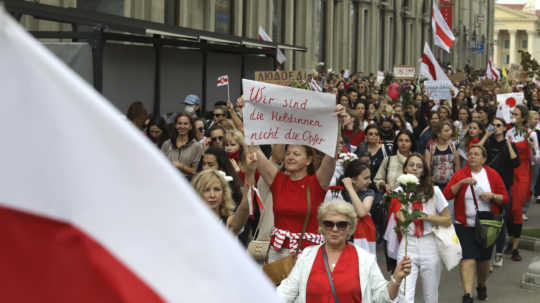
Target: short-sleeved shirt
290 203
482 185
433 206
189 154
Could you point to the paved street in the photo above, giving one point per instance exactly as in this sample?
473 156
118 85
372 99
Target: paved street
503 284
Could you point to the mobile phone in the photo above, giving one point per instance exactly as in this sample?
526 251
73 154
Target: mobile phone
491 128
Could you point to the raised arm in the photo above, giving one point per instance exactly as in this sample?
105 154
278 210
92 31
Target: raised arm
362 207
328 164
265 167
241 215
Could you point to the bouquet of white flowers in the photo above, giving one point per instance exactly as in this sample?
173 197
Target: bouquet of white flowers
345 158
409 195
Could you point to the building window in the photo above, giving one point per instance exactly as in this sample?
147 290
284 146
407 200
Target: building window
506 43
224 16
524 43
506 59
113 7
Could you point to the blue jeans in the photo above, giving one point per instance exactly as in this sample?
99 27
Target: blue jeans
499 243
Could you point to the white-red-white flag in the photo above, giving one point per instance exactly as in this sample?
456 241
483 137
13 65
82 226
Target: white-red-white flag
90 210
223 80
492 72
314 85
431 69
442 34
280 58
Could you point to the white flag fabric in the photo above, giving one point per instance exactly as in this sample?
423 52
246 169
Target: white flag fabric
442 34
223 80
280 58
431 69
506 103
492 73
90 210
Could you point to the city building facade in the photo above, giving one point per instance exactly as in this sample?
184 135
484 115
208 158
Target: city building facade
358 35
516 28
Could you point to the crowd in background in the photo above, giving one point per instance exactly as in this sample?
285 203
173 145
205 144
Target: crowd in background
456 147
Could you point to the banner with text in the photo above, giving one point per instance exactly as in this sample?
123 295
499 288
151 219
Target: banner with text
438 89
276 114
280 77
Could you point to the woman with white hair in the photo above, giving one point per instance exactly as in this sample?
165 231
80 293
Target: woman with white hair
337 269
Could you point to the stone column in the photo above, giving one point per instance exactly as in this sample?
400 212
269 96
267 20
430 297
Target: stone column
289 33
329 43
513 48
496 55
531 35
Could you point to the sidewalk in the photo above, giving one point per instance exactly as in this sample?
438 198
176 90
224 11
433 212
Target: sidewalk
503 284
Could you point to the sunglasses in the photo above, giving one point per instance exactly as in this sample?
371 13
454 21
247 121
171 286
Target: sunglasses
497 125
341 225
218 138
201 129
219 115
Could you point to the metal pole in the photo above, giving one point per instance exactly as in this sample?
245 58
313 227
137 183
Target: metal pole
98 44
204 52
157 76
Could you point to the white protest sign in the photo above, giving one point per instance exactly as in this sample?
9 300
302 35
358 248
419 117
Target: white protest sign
438 89
275 114
346 74
507 102
380 77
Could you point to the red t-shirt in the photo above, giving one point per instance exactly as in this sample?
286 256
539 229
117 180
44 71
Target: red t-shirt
290 203
353 137
346 278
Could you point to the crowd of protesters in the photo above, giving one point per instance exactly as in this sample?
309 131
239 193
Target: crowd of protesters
455 147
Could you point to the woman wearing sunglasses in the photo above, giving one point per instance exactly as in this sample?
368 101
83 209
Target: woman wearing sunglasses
502 157
422 249
356 277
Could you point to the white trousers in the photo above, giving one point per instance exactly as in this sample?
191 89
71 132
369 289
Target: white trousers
425 261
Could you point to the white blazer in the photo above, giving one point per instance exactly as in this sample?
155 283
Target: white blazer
372 283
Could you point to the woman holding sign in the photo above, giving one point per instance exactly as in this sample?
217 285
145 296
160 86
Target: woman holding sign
289 190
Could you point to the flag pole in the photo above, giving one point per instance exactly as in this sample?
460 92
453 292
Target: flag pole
228 94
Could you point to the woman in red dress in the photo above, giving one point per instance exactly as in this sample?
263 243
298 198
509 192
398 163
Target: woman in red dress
289 192
526 144
355 274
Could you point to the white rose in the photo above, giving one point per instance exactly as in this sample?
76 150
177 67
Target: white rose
224 175
407 179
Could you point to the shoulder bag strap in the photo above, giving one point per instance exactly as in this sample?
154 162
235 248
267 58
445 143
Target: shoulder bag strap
329 274
474 197
306 220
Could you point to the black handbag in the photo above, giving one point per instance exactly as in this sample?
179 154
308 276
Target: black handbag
488 225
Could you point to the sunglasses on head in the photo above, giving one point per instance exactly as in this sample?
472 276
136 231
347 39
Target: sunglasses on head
341 225
218 138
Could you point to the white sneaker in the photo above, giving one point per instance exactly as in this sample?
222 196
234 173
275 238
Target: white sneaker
525 218
498 262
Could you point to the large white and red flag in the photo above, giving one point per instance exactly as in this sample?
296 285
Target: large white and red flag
492 73
442 34
90 210
280 58
431 69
